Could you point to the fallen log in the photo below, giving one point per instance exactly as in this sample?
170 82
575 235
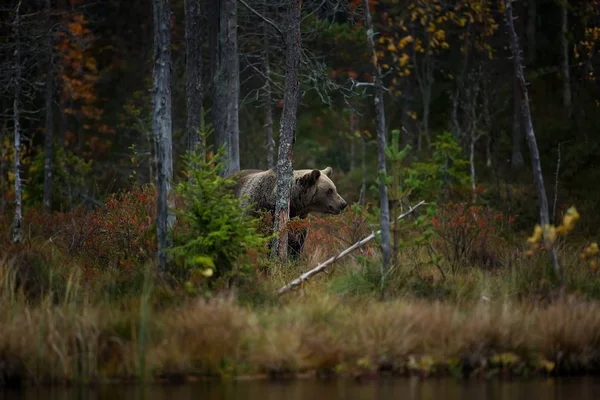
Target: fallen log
321 267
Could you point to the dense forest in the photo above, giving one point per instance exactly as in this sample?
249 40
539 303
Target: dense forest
462 134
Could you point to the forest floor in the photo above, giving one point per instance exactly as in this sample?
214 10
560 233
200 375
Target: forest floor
69 314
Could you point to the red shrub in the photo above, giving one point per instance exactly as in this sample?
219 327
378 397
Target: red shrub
334 233
116 235
465 232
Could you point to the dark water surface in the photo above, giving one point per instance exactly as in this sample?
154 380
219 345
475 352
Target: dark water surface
409 389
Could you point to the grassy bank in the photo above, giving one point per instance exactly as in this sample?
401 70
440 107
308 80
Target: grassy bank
81 341
81 302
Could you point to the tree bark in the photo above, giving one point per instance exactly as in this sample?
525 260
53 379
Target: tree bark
287 135
530 134
17 225
227 87
193 74
48 131
268 96
161 124
564 44
381 146
516 159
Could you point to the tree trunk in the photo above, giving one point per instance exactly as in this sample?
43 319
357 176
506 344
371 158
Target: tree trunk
516 159
193 74
17 226
287 135
227 87
268 97
531 31
381 146
564 44
530 135
48 131
161 124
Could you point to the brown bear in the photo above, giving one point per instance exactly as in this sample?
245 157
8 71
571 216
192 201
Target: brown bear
312 192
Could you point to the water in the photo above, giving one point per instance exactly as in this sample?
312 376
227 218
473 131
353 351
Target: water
405 389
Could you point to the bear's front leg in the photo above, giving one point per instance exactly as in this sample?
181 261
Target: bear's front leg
296 241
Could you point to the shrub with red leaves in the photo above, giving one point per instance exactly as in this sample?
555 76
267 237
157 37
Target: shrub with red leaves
466 231
118 234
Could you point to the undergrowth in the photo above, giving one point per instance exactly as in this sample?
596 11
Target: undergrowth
81 301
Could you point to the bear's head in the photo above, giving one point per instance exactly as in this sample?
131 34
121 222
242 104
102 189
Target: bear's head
317 193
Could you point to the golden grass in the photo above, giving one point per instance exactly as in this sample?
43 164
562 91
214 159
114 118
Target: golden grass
477 321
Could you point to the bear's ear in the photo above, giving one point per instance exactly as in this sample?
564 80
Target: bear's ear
327 171
310 179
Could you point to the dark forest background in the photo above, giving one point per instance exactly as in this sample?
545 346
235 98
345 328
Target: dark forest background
85 75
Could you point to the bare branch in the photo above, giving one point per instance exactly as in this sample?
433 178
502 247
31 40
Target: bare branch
322 267
267 20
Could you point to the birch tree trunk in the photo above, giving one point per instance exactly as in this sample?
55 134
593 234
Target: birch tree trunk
17 225
381 145
193 74
48 131
530 134
287 135
564 44
227 87
268 96
161 124
516 159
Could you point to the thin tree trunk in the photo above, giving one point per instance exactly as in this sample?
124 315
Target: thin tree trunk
516 159
564 44
48 141
287 135
268 97
17 226
227 89
161 124
531 31
193 74
530 134
381 146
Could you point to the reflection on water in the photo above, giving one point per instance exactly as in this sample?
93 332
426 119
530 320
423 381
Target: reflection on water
409 389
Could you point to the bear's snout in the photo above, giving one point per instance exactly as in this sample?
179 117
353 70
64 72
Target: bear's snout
343 205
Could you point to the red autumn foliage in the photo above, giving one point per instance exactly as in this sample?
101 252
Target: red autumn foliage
466 232
118 234
333 233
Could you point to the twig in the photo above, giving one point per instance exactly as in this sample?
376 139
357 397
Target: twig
267 20
321 267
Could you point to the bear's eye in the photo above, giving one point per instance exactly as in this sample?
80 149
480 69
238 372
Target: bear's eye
330 191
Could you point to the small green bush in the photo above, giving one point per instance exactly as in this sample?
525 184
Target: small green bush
215 238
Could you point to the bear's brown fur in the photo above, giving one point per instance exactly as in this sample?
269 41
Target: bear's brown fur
313 191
